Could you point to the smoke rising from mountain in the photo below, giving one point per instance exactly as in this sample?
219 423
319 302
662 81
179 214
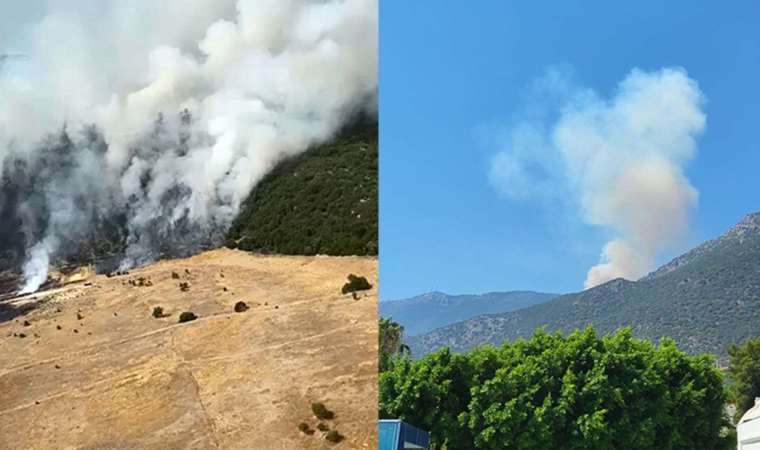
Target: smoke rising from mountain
620 162
149 123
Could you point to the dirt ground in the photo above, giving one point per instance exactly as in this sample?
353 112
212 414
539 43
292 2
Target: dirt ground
115 377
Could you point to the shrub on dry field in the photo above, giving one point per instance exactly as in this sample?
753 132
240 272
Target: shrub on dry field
187 316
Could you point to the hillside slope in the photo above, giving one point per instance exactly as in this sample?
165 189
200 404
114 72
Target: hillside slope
321 202
705 299
96 370
429 311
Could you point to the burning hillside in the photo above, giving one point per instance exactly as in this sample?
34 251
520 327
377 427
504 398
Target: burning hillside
118 151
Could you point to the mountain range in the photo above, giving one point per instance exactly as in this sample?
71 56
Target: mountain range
705 299
429 311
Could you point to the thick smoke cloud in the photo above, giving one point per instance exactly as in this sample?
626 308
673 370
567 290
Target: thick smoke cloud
153 120
619 162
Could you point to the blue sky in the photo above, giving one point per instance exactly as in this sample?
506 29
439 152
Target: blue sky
455 78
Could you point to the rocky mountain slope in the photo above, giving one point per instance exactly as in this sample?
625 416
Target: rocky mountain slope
705 299
429 311
87 365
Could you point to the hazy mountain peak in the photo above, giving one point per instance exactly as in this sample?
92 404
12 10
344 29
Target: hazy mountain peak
433 295
435 309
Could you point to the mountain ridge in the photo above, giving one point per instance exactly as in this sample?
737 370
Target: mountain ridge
706 299
431 310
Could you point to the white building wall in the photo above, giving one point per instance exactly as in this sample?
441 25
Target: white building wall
748 434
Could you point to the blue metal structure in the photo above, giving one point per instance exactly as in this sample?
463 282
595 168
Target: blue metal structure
397 435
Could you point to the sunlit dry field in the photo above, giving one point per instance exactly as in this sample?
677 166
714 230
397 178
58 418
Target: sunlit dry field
96 370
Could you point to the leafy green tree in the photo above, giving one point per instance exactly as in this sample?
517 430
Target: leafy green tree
744 374
430 395
391 337
576 392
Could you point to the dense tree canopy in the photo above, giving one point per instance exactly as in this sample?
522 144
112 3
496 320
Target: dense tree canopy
744 374
575 392
323 201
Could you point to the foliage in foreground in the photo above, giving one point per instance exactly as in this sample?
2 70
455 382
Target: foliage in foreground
575 392
391 343
744 374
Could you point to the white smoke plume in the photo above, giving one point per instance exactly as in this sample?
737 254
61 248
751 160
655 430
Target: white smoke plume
620 162
160 117
36 267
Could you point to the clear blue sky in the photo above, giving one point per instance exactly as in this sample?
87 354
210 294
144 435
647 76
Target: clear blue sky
449 68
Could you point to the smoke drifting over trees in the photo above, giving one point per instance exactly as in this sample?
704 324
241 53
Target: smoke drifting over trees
149 123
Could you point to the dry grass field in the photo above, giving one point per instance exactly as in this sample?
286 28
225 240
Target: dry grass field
96 370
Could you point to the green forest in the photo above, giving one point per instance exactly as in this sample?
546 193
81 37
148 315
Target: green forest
321 202
576 391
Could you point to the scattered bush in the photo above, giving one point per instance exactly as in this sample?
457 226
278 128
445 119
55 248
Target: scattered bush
187 316
175 276
323 427
744 374
305 428
334 437
158 312
141 282
321 412
241 307
184 286
355 283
